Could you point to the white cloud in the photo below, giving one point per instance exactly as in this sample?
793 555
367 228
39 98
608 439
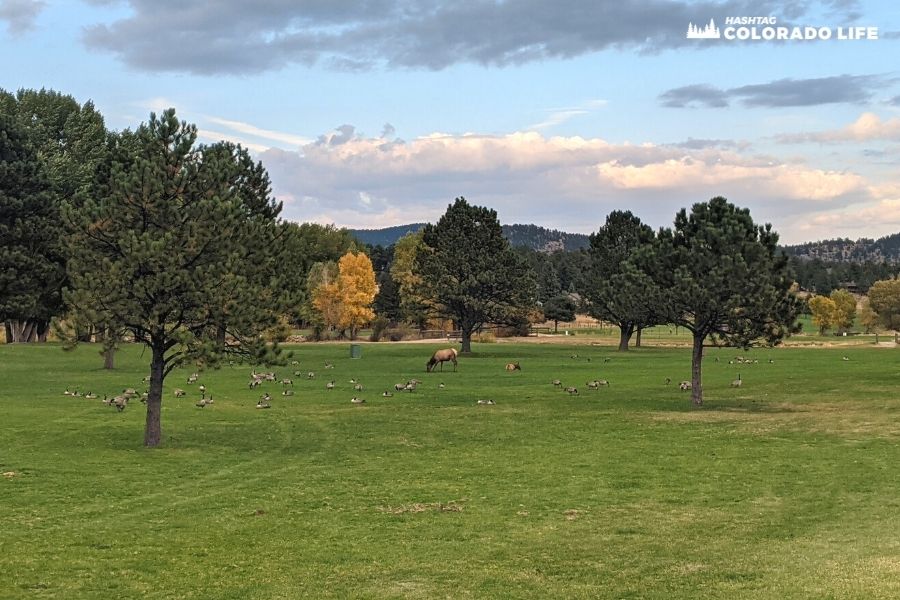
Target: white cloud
559 116
868 127
254 131
570 183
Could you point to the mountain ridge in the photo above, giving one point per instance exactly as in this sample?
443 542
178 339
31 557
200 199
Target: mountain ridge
531 236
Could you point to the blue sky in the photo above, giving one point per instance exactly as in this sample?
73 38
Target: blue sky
380 112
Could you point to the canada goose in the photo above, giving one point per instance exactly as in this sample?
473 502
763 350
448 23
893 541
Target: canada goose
67 392
298 373
353 381
685 385
144 397
441 386
254 383
845 358
513 366
310 375
262 404
387 394
574 356
358 387
106 401
91 396
287 393
399 386
179 393
356 400
120 402
202 389
737 382
295 363
204 402
76 394
606 359
287 382
329 385
484 402
193 379
556 383
410 386
329 365
771 362
129 393
146 379
572 390
593 385
602 382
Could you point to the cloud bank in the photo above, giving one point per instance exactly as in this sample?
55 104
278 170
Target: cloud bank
240 37
570 183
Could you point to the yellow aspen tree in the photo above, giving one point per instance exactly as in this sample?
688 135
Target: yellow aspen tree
356 289
823 311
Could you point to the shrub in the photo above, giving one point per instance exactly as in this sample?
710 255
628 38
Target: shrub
379 325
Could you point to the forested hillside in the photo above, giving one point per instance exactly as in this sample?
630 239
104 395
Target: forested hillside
534 237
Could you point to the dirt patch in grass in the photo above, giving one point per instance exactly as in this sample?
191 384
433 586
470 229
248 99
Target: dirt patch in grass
420 507
844 419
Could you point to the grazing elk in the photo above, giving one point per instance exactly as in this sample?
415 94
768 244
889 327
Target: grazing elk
441 356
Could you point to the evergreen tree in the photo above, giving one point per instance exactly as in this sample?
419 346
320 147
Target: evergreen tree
725 280
68 143
619 289
559 308
29 271
469 272
166 250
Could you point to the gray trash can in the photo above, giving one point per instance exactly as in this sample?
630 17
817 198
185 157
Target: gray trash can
355 351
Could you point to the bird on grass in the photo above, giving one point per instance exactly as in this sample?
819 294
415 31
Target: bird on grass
485 402
262 404
356 400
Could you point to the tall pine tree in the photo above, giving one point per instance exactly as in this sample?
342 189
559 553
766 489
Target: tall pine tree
469 272
171 248
725 280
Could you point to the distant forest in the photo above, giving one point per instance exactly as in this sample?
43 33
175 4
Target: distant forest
533 237
557 257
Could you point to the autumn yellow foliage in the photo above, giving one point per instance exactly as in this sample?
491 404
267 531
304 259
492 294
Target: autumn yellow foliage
345 301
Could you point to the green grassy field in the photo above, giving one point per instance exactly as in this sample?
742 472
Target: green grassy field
787 487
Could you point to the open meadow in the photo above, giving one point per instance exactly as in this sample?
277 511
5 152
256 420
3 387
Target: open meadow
787 487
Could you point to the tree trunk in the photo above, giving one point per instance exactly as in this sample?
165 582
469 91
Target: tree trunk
696 360
153 427
220 336
9 336
466 341
637 337
555 326
42 330
625 332
109 356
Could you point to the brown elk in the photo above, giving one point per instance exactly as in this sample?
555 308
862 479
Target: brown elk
441 356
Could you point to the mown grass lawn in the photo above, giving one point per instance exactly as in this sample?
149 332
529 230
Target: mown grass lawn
787 487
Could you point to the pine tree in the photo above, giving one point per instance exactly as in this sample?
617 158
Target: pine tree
619 289
167 250
469 272
724 280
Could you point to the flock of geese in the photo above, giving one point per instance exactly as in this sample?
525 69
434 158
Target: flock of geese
120 401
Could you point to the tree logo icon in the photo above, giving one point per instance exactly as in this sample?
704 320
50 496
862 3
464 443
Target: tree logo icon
710 32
